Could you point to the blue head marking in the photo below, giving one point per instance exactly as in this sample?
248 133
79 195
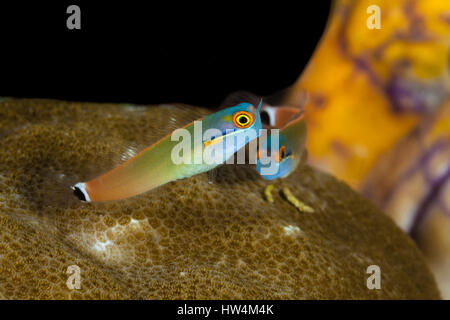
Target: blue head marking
281 160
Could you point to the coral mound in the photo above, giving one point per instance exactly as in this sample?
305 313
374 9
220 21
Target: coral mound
210 236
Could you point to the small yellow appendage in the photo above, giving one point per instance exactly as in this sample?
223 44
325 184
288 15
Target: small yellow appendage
297 203
268 193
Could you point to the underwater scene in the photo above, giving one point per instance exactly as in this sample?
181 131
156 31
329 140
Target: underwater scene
337 186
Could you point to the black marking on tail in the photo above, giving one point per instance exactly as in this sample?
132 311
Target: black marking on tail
79 194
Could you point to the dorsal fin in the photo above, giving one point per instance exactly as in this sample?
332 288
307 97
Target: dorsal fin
240 96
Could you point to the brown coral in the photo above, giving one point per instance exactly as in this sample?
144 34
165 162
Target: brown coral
209 236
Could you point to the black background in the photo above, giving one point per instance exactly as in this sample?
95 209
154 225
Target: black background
154 52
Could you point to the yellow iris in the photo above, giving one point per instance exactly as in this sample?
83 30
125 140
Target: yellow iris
242 119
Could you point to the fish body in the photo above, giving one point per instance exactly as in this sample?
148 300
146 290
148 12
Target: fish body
155 165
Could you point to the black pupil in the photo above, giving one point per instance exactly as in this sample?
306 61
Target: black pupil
243 120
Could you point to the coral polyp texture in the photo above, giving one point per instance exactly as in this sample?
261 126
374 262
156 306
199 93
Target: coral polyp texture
209 236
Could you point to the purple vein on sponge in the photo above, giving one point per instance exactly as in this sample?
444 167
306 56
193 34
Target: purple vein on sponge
421 162
432 195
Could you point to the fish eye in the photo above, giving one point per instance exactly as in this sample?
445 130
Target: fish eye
242 119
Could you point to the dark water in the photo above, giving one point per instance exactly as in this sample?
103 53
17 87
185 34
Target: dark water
131 52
